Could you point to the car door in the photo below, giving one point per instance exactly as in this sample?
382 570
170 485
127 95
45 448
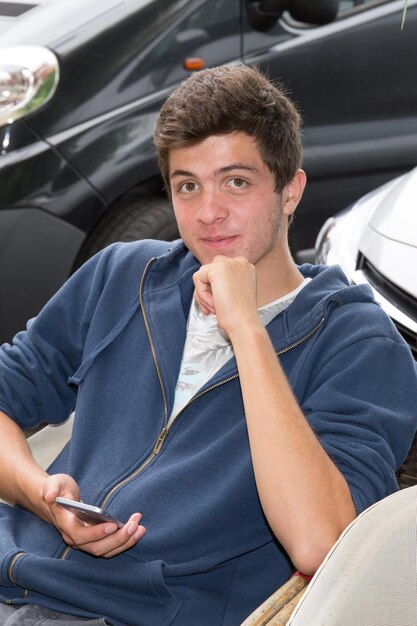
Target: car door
87 156
147 62
354 83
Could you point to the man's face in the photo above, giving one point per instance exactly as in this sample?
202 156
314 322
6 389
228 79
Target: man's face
224 199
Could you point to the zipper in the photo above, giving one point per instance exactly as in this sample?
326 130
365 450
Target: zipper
165 429
12 564
234 376
297 343
162 435
65 553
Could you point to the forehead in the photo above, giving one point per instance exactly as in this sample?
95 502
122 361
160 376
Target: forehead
216 153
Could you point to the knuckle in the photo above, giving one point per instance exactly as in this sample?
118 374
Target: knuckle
70 541
95 550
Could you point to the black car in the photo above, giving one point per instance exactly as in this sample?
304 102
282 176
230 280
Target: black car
82 80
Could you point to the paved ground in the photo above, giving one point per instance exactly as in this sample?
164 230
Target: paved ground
48 442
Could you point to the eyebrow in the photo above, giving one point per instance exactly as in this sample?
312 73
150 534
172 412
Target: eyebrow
180 173
221 170
237 166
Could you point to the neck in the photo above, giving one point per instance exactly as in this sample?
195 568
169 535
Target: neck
277 276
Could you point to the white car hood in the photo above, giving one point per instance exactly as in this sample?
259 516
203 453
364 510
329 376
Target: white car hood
389 240
395 217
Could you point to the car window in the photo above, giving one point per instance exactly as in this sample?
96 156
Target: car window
135 50
349 6
346 8
284 29
211 31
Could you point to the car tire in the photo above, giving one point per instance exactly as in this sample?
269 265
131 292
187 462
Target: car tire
138 219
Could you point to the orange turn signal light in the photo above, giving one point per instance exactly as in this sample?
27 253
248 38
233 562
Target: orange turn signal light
192 64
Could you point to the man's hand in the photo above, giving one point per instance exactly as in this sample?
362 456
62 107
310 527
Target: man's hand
103 540
227 288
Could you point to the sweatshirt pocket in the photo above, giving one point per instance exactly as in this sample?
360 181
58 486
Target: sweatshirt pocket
129 593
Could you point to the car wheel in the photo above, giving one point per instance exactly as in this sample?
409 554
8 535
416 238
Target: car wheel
140 219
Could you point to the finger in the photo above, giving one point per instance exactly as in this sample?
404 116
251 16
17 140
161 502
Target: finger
100 539
220 257
52 488
205 307
82 533
60 485
117 543
203 293
134 539
51 493
79 535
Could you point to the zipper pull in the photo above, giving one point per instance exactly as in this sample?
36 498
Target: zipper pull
160 440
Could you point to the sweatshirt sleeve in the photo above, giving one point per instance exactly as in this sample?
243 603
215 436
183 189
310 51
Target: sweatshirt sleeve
35 368
362 404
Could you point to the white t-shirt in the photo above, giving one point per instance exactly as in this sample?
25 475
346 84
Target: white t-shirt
207 348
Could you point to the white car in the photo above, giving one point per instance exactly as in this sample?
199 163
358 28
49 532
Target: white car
375 242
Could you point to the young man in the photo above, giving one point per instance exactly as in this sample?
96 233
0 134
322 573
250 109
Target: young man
246 407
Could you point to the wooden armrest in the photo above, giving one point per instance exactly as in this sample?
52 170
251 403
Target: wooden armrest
276 610
281 618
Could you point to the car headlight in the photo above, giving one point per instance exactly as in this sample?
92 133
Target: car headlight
323 241
337 241
29 77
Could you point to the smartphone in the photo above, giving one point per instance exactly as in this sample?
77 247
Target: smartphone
87 512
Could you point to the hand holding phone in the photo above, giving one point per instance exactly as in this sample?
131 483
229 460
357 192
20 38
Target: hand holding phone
87 512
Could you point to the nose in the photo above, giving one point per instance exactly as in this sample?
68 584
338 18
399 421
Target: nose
212 206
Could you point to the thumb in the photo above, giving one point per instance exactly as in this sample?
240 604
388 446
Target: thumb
203 294
60 485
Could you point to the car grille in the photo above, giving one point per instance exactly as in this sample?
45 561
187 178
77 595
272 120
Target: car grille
399 298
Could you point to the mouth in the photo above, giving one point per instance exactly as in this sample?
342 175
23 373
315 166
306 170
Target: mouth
219 241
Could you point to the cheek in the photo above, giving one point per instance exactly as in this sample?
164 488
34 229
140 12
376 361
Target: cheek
264 233
185 226
266 222
180 215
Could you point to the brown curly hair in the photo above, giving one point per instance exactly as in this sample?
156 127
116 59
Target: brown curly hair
230 99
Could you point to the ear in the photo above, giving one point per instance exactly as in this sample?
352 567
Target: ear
293 192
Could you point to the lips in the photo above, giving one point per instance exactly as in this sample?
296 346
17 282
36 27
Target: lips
218 238
219 242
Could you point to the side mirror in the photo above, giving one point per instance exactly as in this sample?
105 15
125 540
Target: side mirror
264 14
318 12
189 39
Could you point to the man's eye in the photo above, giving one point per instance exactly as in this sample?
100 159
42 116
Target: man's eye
187 187
238 183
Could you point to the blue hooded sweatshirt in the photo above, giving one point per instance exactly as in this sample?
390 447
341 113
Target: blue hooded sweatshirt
109 344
